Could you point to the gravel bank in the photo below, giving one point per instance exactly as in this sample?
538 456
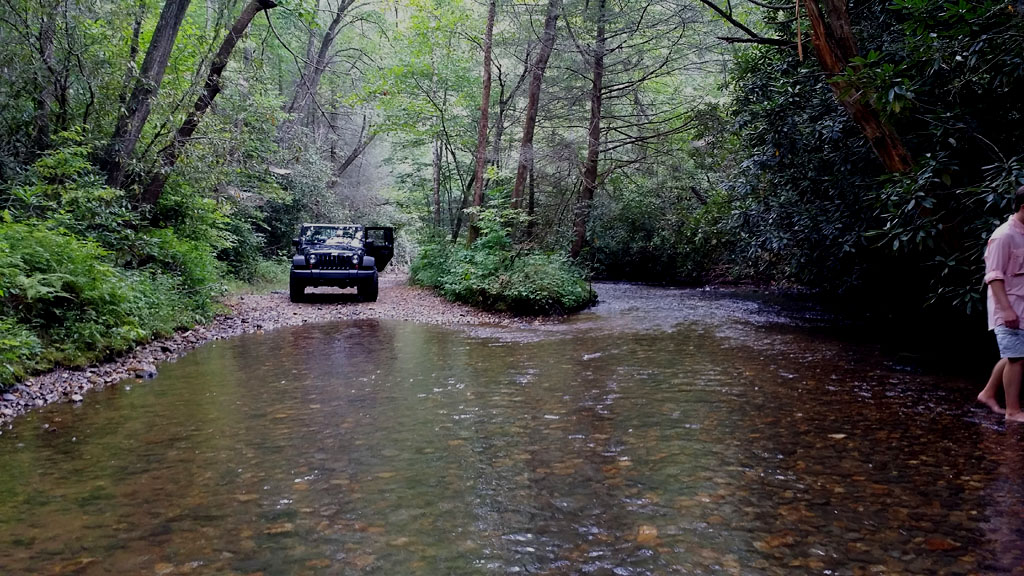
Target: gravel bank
250 313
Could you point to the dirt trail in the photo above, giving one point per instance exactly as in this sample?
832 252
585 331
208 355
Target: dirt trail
249 313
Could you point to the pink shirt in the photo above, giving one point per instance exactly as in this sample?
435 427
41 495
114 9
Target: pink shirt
1004 260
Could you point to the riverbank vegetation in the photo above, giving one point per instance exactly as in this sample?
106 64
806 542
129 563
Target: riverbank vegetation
494 274
152 152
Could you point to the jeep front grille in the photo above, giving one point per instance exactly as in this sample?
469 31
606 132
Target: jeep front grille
332 262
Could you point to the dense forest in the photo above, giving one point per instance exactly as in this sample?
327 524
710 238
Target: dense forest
152 154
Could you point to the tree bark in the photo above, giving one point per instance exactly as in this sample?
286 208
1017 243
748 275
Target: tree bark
835 47
481 139
133 54
169 155
47 79
437 183
136 112
457 226
533 102
583 206
531 209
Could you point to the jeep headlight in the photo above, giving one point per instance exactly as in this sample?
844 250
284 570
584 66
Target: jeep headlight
355 259
312 259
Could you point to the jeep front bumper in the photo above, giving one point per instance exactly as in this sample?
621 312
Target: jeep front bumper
316 277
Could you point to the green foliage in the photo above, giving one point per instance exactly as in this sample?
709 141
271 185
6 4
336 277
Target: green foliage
268 275
64 302
197 273
245 253
62 187
635 236
493 275
18 346
81 277
705 241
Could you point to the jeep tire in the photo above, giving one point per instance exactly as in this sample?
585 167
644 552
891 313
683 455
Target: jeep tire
296 290
368 289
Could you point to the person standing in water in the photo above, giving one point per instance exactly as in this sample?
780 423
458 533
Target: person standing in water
1004 275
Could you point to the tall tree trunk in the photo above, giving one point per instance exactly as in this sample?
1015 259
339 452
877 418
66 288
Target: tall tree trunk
531 208
309 82
586 199
437 182
457 226
133 53
211 14
533 101
47 80
169 155
835 47
133 117
499 132
481 135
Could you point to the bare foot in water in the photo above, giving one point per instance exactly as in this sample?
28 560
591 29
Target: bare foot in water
991 403
1015 417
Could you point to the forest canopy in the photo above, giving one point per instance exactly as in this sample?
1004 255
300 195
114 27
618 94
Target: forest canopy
151 151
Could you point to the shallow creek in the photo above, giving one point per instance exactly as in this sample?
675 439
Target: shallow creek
664 432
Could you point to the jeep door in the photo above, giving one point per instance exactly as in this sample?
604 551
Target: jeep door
380 243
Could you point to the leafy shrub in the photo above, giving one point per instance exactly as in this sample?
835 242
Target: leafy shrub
62 187
62 301
18 347
82 276
197 273
492 274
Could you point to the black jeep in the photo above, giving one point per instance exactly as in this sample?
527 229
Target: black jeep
340 255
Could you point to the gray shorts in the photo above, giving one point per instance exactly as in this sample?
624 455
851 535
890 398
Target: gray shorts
1010 341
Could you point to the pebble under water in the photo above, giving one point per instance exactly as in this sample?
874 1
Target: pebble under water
664 432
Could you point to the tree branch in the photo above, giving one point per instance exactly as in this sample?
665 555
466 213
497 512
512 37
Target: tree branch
759 40
771 6
754 37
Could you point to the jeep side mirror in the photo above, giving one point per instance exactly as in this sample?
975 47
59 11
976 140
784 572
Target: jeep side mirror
296 242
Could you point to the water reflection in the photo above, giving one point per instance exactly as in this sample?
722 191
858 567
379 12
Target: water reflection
666 432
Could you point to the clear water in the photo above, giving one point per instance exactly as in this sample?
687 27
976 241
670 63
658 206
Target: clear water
665 432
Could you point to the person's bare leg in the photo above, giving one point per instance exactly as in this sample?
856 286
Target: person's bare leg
988 395
1011 386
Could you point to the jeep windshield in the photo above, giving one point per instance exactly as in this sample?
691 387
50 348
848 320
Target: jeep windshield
349 236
